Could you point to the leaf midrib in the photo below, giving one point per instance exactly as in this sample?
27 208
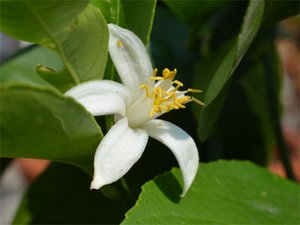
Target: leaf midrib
65 60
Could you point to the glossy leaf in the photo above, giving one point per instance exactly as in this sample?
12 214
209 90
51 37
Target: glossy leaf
86 45
61 195
141 22
224 192
59 79
227 65
135 15
80 37
38 122
38 21
21 68
250 27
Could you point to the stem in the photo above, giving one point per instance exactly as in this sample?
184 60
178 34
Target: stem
275 115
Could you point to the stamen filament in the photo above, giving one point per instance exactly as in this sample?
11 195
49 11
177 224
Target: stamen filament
156 78
145 86
167 100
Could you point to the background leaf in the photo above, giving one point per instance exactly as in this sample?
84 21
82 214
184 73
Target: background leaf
224 192
38 122
194 11
79 38
251 24
250 27
61 195
59 79
280 10
21 68
38 21
135 15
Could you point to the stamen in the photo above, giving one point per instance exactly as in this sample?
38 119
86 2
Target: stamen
163 108
145 86
159 91
167 100
156 78
154 72
194 90
197 101
178 83
167 74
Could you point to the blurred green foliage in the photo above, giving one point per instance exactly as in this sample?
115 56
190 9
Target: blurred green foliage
226 48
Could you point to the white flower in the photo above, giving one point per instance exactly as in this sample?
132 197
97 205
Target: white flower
136 104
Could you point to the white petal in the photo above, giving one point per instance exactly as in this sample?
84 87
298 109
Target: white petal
130 58
138 112
102 97
118 151
180 143
164 84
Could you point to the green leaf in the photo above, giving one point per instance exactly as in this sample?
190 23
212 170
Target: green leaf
80 39
111 10
228 62
194 11
59 79
254 83
86 46
38 21
136 16
139 17
61 195
224 192
250 27
38 122
21 68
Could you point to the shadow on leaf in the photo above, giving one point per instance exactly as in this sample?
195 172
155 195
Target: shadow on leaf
170 187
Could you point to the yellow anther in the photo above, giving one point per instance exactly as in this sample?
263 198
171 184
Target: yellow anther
197 101
119 43
173 106
166 100
175 71
178 83
167 74
194 90
163 108
178 103
145 86
183 99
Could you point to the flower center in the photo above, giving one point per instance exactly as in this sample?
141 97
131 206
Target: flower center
166 94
